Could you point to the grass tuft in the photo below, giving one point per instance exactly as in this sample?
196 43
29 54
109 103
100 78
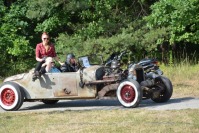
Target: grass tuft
184 78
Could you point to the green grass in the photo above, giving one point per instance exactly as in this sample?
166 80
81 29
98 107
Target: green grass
185 84
101 121
184 79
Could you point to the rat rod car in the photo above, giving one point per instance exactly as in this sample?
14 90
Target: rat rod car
91 81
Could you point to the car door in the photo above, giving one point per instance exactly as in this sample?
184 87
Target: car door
62 84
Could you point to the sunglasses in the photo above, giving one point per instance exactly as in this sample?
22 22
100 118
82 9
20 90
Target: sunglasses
46 38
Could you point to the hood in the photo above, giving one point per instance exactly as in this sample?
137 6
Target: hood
15 77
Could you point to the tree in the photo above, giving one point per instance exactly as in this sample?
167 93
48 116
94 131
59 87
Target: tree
179 17
14 37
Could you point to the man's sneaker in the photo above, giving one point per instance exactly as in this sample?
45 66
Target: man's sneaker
36 75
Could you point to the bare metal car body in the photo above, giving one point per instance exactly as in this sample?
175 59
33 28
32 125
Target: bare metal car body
56 85
87 83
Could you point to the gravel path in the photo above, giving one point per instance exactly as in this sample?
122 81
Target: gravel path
172 104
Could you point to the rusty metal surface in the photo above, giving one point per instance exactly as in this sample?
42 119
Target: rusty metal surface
106 89
106 79
100 82
57 85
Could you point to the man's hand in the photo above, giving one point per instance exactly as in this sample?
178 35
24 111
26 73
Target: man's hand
44 58
61 63
43 65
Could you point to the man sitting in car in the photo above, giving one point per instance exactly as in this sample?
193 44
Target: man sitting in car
52 68
70 64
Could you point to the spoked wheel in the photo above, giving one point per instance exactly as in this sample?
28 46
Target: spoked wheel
11 96
129 93
166 87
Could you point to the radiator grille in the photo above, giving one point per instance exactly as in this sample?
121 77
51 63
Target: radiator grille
140 75
100 72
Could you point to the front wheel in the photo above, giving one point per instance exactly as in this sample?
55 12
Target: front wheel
167 89
11 96
129 93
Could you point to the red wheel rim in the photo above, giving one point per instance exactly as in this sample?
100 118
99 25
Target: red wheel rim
127 93
7 96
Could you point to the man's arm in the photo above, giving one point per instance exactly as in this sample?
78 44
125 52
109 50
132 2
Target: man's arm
58 60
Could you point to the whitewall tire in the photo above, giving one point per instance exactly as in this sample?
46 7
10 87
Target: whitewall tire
129 93
11 96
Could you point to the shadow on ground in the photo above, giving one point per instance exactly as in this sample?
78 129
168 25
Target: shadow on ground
100 104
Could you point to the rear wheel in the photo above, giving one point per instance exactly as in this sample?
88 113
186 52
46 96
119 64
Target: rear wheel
50 101
11 96
167 89
129 93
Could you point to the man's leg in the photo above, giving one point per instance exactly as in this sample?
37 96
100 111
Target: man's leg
37 72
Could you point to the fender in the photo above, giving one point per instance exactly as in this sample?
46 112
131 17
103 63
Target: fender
15 77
